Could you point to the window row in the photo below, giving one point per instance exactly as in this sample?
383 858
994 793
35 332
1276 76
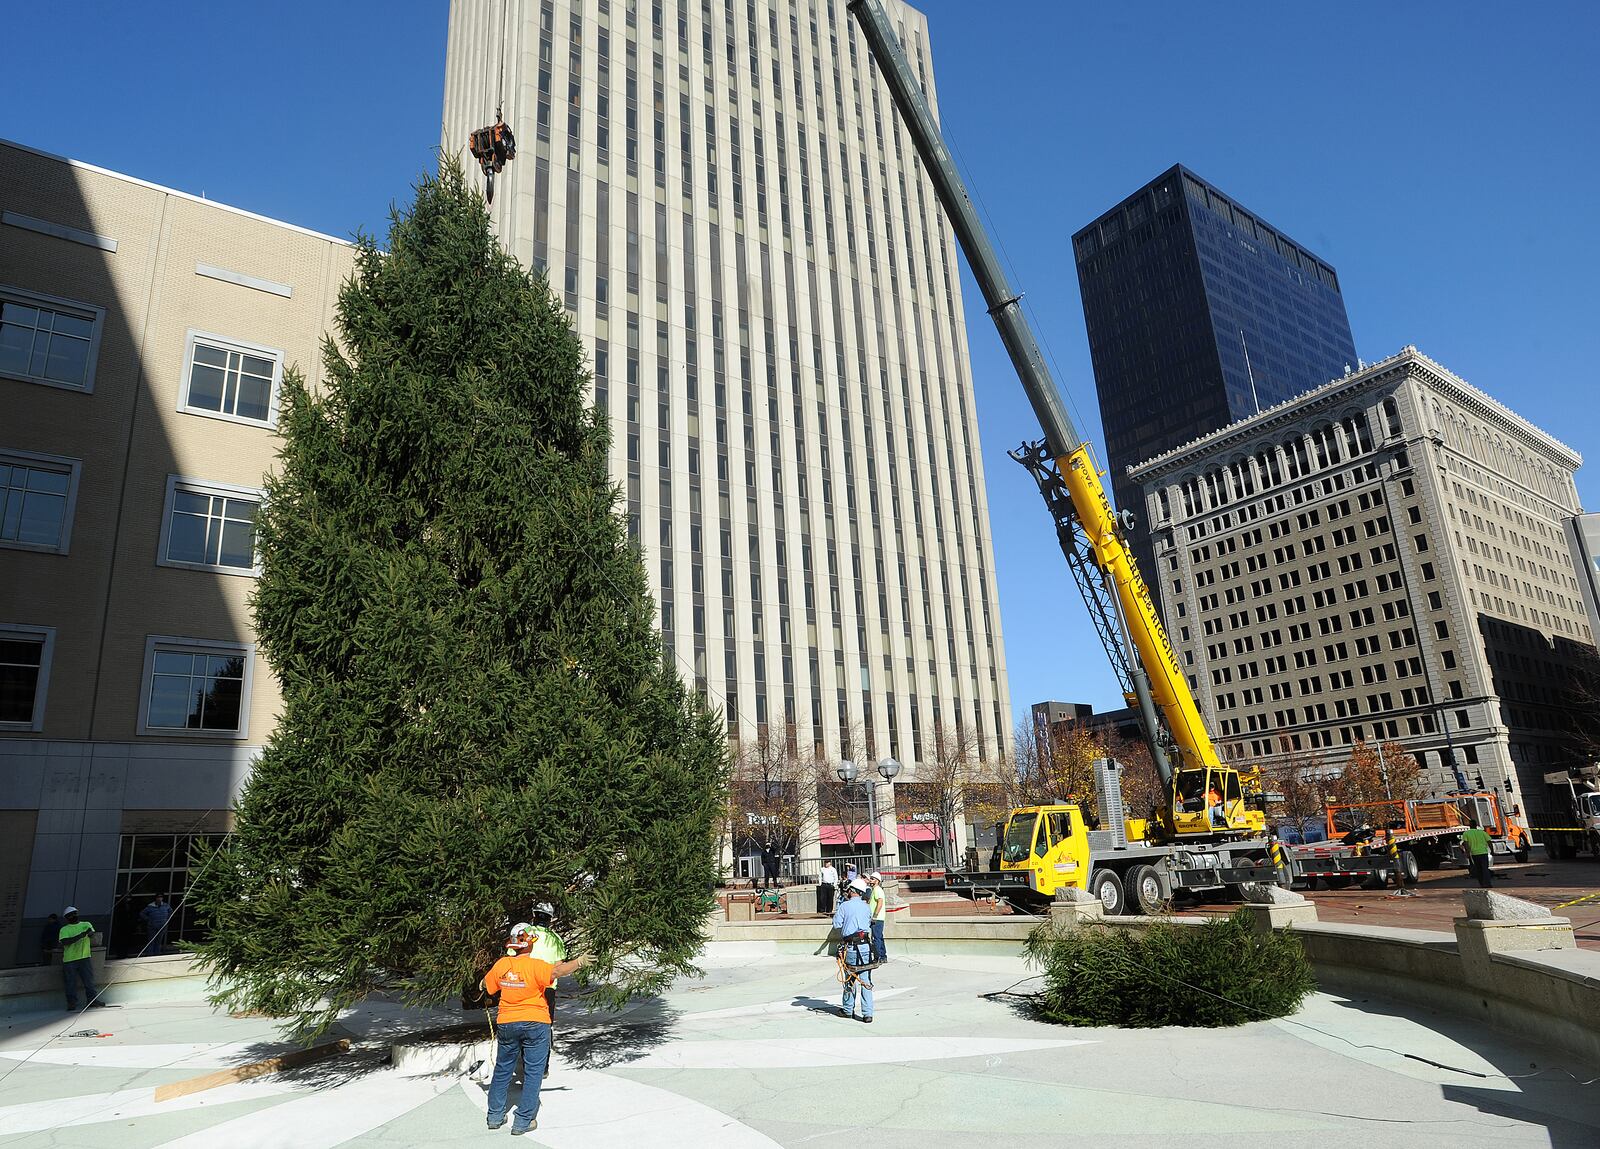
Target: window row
204 525
56 342
190 687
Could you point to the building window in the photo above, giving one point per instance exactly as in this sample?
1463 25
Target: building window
24 674
37 494
195 688
226 379
49 341
209 526
152 864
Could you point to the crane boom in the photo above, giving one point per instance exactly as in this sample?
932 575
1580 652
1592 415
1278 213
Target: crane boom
1064 463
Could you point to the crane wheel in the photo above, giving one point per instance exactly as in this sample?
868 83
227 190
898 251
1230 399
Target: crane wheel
1143 889
1105 885
1410 869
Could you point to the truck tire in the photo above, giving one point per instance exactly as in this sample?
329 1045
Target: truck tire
1376 880
1143 889
1522 851
1106 886
1410 870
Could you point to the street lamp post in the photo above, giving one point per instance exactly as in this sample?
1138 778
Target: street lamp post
848 772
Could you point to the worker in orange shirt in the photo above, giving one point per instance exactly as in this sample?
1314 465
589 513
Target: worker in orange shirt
522 1028
1219 816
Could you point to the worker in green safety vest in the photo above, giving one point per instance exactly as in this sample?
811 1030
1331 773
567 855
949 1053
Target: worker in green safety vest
1476 843
76 965
547 946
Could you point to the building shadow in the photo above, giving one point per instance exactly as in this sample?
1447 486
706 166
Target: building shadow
1548 1084
102 798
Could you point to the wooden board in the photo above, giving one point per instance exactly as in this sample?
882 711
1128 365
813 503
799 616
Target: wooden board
253 1069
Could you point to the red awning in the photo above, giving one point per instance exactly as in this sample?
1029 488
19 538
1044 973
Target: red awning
917 831
863 835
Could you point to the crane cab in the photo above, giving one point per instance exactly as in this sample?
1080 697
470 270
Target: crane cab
1050 844
1213 800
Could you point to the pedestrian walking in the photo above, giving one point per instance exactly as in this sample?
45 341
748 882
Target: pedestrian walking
853 920
155 917
522 1030
769 866
76 965
827 887
877 902
1476 843
547 946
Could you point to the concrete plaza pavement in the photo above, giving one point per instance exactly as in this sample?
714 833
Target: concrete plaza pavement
751 1055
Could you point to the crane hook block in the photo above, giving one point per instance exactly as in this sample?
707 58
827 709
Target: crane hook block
493 147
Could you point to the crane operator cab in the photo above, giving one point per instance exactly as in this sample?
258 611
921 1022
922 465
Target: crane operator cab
493 147
1213 800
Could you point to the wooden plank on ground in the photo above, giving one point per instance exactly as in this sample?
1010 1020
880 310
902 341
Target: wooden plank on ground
237 1073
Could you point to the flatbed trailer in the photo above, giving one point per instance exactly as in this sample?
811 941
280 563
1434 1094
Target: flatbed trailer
1430 828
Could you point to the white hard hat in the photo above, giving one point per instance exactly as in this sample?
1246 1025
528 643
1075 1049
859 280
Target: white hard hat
69 910
544 908
876 876
858 885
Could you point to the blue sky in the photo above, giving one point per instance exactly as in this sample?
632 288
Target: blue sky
1440 155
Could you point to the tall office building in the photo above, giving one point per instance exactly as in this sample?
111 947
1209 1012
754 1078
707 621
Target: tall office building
1199 314
722 195
1383 557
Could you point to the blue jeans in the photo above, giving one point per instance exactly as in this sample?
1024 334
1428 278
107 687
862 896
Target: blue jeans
530 1041
877 940
81 970
858 954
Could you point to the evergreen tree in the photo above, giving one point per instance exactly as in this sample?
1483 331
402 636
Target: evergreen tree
477 715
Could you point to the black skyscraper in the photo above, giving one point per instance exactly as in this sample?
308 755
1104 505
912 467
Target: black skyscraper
1199 314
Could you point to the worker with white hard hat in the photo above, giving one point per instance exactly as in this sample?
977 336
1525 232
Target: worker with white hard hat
877 903
546 945
522 1031
853 920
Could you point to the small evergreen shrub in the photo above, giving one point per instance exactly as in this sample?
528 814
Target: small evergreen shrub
1217 974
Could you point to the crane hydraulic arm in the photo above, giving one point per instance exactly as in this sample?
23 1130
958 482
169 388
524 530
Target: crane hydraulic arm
1118 598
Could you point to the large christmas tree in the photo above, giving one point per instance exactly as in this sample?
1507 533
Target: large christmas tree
477 715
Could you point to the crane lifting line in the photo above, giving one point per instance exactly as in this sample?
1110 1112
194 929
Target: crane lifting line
500 82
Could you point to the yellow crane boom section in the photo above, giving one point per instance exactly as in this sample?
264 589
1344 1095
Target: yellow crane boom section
1169 689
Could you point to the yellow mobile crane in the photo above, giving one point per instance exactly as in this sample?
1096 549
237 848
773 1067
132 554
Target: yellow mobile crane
1206 834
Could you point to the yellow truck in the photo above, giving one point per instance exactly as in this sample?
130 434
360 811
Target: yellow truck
1191 846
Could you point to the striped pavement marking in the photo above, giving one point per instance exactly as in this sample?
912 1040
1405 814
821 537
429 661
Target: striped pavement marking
323 1119
603 1111
183 1055
833 1052
124 1105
